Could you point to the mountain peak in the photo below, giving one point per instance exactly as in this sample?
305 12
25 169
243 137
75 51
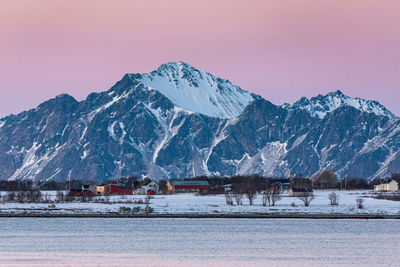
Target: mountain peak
175 64
65 97
196 90
320 105
336 93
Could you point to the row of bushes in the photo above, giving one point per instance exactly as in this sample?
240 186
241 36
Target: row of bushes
272 196
388 196
36 196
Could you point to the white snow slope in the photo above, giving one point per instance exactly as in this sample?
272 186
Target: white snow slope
198 91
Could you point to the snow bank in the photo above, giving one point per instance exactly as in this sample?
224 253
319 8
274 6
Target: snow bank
215 204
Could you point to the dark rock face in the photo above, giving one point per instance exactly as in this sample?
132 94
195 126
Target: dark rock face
135 130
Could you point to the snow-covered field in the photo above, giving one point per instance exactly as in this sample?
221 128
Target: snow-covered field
215 204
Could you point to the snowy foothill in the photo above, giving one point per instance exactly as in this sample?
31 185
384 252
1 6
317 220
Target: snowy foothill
189 203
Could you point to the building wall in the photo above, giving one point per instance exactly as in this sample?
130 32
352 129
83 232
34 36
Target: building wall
100 190
298 194
170 187
392 186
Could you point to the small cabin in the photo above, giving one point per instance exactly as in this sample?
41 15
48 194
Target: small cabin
387 185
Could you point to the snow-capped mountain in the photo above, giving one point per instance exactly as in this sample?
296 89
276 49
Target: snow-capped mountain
178 122
197 91
320 105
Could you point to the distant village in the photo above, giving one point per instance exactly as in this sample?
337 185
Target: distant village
296 186
234 188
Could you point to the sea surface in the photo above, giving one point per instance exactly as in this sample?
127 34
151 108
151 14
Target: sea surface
198 242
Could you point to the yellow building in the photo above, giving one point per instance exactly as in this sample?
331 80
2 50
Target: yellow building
100 190
387 185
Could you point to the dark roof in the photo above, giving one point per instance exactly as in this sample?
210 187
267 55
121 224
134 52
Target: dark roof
386 181
75 190
301 189
190 183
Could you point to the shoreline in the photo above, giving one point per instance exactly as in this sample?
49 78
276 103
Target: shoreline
209 216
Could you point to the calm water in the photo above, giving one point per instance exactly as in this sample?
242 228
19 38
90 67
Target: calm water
207 242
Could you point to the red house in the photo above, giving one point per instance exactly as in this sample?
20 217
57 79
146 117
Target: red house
80 193
151 192
113 189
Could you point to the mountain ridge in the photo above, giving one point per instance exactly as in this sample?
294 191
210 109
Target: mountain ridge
135 129
319 105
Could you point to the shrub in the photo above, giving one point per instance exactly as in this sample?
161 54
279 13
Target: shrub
360 203
228 199
334 199
307 198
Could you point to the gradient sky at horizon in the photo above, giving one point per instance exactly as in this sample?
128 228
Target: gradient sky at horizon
282 50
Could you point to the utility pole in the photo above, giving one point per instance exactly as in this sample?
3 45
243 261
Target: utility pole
69 182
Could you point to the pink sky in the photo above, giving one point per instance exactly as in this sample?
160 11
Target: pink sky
281 50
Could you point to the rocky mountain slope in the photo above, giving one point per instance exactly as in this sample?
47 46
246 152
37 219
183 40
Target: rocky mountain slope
178 122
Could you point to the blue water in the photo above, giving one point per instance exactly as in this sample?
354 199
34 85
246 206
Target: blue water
194 242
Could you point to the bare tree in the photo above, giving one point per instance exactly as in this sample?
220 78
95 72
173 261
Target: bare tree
276 193
68 198
238 189
147 199
10 196
307 197
360 203
266 197
21 197
250 189
33 195
228 198
334 198
60 197
83 198
36 196
325 180
29 195
238 195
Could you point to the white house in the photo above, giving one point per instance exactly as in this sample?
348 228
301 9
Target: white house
387 185
148 187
